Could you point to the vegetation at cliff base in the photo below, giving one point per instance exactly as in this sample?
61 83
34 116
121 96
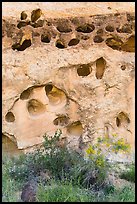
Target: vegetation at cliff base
65 175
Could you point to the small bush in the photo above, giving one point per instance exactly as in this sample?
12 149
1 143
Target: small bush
63 192
124 194
129 175
10 188
53 158
74 176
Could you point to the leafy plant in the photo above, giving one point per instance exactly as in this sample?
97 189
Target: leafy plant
129 175
10 188
57 160
63 192
113 144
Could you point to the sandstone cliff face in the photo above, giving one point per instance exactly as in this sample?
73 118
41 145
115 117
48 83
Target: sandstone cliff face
69 67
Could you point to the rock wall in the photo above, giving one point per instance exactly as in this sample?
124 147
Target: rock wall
69 67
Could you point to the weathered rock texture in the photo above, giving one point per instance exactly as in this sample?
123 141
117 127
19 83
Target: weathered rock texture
68 66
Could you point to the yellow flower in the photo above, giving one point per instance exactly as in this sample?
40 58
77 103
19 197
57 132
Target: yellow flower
100 162
114 135
121 142
108 145
90 150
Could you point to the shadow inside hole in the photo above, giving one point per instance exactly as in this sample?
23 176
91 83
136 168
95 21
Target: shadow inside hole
25 44
10 117
48 88
98 39
124 29
45 38
61 120
35 14
85 28
23 24
23 15
63 29
55 95
60 45
123 67
73 42
35 107
115 43
100 67
26 94
75 128
84 70
10 148
129 45
109 28
122 119
37 24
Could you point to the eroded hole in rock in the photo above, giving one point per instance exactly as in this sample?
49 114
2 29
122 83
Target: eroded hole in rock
63 25
75 128
45 38
25 45
84 70
23 24
123 67
48 88
23 15
60 44
73 42
124 29
9 147
87 28
115 43
98 39
100 67
61 120
10 117
129 45
122 119
56 96
35 14
37 24
35 107
110 28
63 28
26 94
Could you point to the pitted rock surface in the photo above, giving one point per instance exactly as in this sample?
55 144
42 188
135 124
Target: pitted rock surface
68 67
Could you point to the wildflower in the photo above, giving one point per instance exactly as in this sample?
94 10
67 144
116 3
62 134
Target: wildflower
108 145
114 135
100 162
90 150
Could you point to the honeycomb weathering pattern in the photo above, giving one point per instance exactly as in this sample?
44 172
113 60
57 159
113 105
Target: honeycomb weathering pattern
69 68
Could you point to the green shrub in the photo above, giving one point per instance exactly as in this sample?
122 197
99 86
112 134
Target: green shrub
63 192
87 175
124 194
64 164
58 160
129 175
10 188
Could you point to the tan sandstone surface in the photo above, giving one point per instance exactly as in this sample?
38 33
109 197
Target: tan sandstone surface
69 66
